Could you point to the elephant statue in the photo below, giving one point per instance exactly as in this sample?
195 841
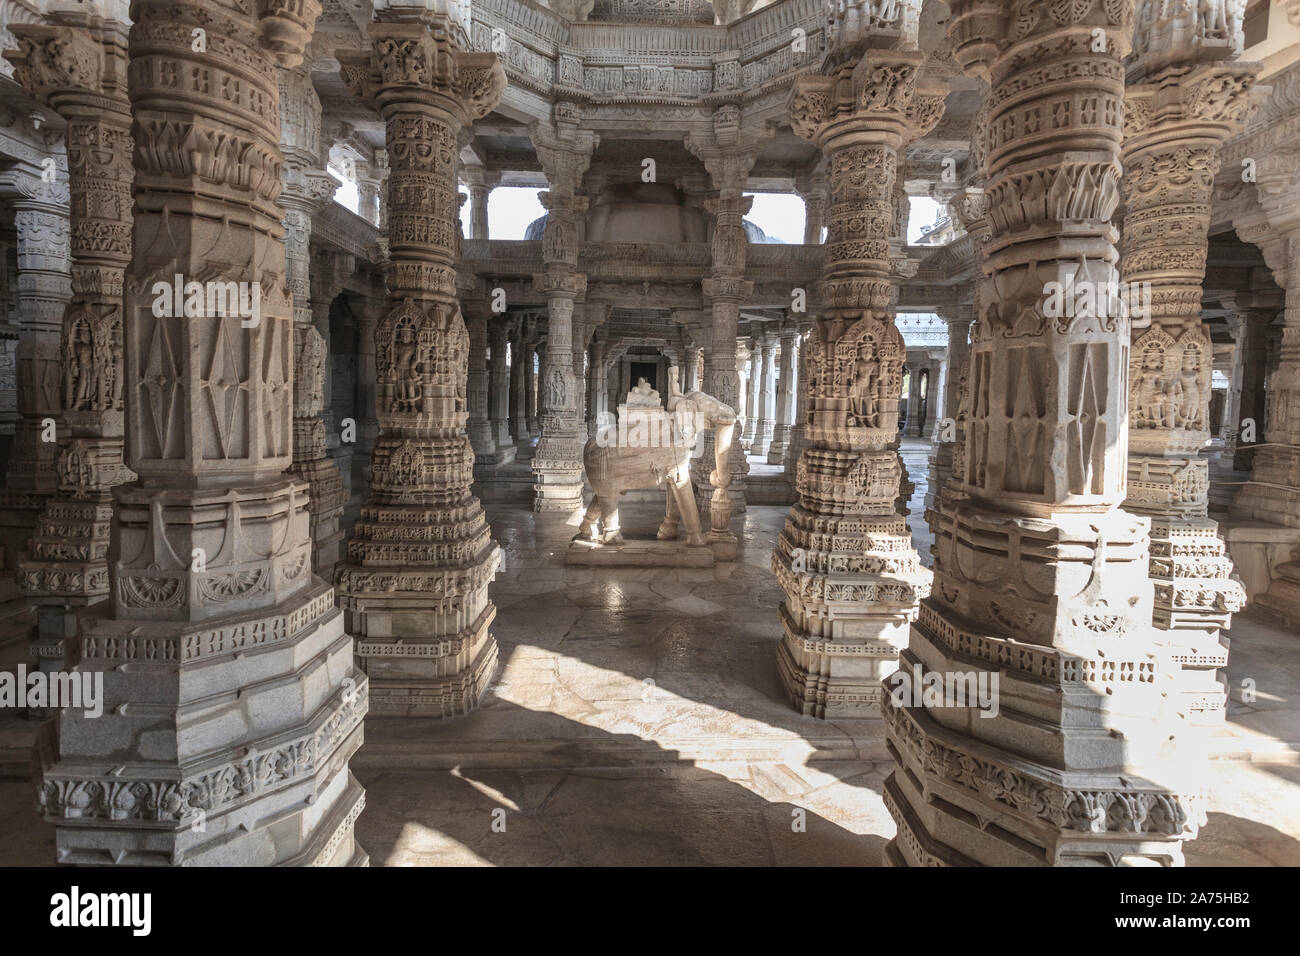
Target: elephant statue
653 446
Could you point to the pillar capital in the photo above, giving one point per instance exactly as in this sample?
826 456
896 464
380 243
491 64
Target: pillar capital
412 64
882 99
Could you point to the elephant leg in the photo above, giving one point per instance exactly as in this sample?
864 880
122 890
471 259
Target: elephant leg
690 515
610 533
588 529
668 529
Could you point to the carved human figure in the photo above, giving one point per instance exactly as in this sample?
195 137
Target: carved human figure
1210 13
862 391
406 369
79 390
1188 391
1154 404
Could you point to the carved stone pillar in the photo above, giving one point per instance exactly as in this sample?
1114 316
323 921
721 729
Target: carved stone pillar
690 382
1179 109
230 703
1252 347
480 183
565 153
307 188
765 425
753 394
80 72
597 388
530 357
1040 580
913 427
499 387
743 356
370 188
479 426
368 424
519 380
415 582
845 558
941 459
813 192
933 396
581 333
31 479
799 428
728 152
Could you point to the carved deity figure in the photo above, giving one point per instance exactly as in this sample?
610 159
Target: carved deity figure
1154 407
643 394
863 389
1189 405
1211 18
80 385
406 370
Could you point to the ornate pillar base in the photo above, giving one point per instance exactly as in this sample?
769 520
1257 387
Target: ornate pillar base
281 794
940 462
1075 762
433 677
414 586
779 446
558 489
846 612
1196 588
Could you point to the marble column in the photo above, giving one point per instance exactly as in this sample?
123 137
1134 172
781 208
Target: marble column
845 558
1172 137
694 357
519 380
933 396
564 151
765 425
785 387
367 388
230 702
478 427
799 428
728 152
812 190
499 385
753 394
1252 349
480 184
44 288
913 427
958 319
415 582
531 359
67 566
307 188
1040 579
581 333
370 187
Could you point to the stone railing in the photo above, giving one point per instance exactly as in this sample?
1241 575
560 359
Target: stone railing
339 227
